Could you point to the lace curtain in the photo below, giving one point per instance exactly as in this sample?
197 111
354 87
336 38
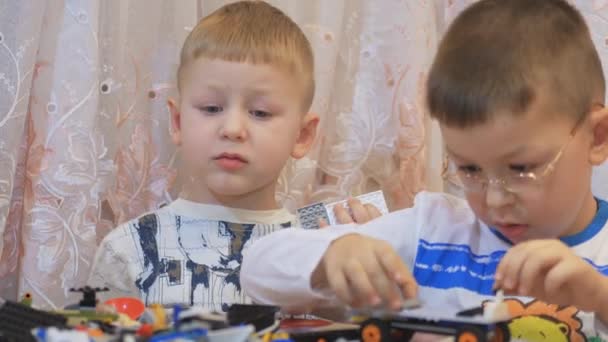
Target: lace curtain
84 141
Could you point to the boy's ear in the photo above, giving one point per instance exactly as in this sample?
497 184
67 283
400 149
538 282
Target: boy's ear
599 142
306 136
176 128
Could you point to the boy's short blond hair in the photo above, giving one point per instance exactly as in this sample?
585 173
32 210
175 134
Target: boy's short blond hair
253 32
499 55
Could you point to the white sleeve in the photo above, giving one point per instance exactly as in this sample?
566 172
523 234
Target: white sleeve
113 267
601 329
276 269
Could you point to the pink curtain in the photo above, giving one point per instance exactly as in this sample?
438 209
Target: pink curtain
84 141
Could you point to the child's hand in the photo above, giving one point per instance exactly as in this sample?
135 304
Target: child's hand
361 213
550 271
364 271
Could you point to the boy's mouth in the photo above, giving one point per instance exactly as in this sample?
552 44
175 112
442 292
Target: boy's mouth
230 161
512 231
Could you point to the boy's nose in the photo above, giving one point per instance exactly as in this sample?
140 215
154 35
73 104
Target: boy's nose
497 196
234 126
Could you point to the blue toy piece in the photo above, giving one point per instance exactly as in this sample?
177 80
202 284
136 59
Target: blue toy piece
194 334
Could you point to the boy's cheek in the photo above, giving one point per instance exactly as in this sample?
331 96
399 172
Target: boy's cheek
476 202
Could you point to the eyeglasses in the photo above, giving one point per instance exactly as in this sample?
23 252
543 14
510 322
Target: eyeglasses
513 181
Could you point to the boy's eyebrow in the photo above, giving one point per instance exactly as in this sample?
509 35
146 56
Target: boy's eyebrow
262 92
206 87
451 153
214 87
259 91
511 154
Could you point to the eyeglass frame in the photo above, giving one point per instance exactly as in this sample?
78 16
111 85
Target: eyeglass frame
531 175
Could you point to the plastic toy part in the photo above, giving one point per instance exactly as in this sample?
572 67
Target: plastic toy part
26 299
232 334
465 326
159 316
132 307
497 310
191 335
89 295
77 317
374 330
53 334
261 316
18 320
319 330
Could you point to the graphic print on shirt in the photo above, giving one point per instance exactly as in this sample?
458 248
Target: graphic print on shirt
202 267
147 228
537 321
214 257
447 265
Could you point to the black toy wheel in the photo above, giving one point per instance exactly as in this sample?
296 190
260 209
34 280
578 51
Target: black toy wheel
501 333
470 334
375 330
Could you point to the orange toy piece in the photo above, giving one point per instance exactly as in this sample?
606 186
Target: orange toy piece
132 307
146 330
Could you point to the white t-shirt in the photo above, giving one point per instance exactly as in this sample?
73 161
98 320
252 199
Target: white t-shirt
183 253
451 253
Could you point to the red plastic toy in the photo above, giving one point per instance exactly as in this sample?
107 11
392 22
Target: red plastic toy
132 307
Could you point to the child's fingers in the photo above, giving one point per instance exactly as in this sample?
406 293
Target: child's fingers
534 269
359 212
407 284
339 285
526 262
399 272
362 289
372 211
342 215
509 268
356 212
323 223
383 283
531 283
558 277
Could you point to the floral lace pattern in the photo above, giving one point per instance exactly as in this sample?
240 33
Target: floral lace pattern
84 141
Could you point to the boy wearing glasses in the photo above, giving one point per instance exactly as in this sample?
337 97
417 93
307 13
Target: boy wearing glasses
518 90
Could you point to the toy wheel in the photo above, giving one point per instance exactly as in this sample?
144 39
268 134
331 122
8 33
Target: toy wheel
470 334
501 333
375 330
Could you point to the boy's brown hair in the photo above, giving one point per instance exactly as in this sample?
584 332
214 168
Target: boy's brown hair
253 32
498 55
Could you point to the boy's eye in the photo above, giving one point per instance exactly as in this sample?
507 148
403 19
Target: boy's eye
521 168
210 109
260 114
469 169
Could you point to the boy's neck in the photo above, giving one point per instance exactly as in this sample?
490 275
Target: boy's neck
262 199
585 216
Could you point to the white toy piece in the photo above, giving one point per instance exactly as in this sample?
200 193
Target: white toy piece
231 334
375 198
497 310
53 334
310 215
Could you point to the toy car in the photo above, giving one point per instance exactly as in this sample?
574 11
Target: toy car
318 329
466 326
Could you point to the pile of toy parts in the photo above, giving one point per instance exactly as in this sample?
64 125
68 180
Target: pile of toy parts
128 320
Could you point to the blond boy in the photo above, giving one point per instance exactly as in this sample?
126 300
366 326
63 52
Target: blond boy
246 85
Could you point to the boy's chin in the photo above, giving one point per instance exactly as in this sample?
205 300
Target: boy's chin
235 192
